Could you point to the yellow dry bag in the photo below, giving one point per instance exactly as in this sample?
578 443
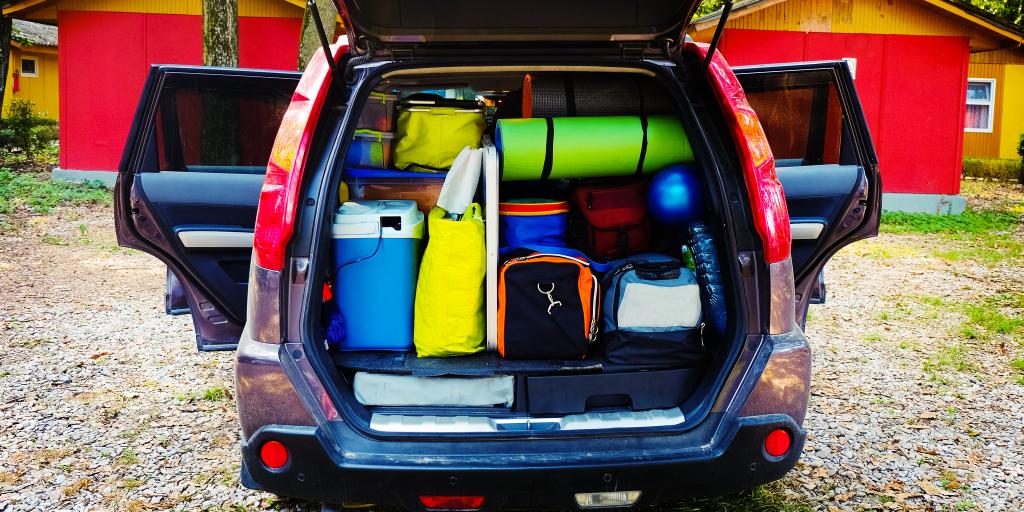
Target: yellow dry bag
429 138
449 314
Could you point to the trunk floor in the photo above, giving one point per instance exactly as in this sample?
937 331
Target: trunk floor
484 363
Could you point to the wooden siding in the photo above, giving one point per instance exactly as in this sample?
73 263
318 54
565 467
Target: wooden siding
1004 56
41 90
246 8
1012 107
982 144
909 17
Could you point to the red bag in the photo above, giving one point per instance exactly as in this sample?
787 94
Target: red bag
611 221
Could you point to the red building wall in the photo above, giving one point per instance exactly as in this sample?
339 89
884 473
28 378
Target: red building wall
104 58
912 89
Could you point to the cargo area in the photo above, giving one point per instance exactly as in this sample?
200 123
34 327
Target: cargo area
524 250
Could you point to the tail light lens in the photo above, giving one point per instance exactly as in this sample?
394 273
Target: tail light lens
275 218
777 443
771 216
273 454
452 502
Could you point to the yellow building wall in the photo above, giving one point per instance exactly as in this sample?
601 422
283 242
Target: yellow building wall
247 8
41 90
1007 68
981 144
911 17
1013 110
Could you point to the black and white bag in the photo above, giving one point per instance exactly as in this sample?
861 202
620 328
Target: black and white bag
652 313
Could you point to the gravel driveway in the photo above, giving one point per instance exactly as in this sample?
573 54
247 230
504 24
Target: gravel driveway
106 405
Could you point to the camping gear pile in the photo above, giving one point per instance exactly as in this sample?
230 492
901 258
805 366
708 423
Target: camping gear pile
590 192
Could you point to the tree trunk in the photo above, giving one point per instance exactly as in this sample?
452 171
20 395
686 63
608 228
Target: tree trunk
219 143
220 33
310 42
5 55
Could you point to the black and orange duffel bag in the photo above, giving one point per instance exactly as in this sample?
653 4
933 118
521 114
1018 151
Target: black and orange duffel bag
547 307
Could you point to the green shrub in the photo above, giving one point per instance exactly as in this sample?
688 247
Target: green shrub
25 132
1020 151
992 169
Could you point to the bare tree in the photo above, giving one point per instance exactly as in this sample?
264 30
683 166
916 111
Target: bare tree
219 139
220 33
310 42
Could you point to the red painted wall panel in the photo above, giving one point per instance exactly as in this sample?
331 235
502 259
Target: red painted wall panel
104 58
911 88
271 43
98 91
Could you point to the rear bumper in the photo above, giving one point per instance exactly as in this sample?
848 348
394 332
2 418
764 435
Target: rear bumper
509 479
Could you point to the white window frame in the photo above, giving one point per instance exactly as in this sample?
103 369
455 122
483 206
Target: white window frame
991 102
22 66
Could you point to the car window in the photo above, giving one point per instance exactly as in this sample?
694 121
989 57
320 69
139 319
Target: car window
210 130
803 122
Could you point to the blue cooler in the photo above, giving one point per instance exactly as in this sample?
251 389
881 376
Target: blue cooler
376 261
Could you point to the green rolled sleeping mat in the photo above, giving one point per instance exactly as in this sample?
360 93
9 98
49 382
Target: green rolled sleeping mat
589 147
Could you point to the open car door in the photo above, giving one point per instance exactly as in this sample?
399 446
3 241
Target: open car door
189 183
824 158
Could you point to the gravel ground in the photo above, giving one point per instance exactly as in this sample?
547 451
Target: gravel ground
106 405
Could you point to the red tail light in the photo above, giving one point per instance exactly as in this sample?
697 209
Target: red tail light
452 502
771 216
777 443
275 218
273 454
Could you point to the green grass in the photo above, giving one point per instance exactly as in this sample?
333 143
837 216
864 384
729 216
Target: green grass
216 394
127 457
764 498
991 319
969 222
40 195
950 358
984 236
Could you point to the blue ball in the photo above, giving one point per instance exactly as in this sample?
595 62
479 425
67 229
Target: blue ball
676 196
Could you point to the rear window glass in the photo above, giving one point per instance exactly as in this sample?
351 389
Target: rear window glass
219 131
803 123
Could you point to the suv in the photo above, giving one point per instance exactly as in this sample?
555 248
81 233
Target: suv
247 247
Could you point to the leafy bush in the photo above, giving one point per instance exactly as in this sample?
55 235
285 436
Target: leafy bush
1020 151
25 132
989 169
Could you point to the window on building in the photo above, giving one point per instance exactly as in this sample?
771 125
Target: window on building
981 97
29 66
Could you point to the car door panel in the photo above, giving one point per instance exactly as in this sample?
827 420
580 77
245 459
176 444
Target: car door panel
189 185
815 195
825 161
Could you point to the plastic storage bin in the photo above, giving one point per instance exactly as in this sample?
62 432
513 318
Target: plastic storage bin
378 112
370 148
424 188
376 262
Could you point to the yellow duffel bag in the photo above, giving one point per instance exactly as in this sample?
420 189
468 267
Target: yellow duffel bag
430 137
449 311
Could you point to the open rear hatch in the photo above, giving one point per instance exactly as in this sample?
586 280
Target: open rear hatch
588 24
666 366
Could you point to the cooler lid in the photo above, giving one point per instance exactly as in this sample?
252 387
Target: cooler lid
370 218
535 22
